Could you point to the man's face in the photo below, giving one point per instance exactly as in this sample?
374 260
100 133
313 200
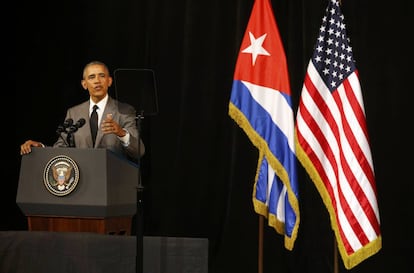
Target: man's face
97 81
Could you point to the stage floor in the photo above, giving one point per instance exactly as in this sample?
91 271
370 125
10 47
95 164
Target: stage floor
70 252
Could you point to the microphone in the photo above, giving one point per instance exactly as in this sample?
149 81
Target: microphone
60 130
68 123
80 122
69 128
73 128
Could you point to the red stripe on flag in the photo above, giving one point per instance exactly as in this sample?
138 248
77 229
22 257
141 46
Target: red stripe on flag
332 141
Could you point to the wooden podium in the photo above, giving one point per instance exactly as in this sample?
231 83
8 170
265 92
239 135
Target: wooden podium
77 190
105 225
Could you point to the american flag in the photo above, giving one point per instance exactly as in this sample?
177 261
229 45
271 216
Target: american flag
332 141
261 105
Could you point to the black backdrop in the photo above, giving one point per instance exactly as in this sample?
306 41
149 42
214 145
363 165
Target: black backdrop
199 168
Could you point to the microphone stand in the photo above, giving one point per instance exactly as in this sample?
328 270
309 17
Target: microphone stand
59 132
70 131
140 212
69 139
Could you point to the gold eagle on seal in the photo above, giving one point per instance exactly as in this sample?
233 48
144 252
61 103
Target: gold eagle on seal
61 173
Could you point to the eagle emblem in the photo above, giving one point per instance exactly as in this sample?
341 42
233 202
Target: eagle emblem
61 175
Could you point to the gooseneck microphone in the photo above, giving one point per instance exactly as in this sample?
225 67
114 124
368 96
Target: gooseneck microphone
62 129
68 128
74 127
67 123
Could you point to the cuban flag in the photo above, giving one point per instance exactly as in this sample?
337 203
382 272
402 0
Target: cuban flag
261 105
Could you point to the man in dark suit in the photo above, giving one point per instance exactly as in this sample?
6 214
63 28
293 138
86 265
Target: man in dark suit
117 128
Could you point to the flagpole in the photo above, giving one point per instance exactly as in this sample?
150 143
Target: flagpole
260 250
336 269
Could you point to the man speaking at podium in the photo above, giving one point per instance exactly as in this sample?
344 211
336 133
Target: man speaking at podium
116 127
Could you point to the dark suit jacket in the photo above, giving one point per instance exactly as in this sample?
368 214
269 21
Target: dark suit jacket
124 114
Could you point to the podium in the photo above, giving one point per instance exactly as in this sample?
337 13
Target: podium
72 189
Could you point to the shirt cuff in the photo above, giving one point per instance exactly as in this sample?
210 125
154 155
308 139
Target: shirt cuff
125 138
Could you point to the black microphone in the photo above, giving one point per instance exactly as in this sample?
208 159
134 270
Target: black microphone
60 130
73 128
80 122
68 123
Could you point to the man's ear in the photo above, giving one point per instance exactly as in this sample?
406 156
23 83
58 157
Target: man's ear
83 83
110 81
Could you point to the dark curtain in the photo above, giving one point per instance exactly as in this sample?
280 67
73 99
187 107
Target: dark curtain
199 168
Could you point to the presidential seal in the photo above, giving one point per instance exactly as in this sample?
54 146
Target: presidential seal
61 175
